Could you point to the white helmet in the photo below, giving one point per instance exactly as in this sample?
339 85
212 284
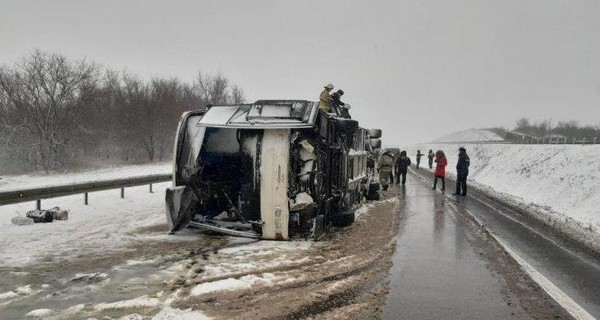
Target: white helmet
329 86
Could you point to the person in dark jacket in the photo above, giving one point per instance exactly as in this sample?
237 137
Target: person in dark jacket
430 156
419 155
401 167
462 171
338 105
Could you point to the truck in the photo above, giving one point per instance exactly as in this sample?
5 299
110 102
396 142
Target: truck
272 169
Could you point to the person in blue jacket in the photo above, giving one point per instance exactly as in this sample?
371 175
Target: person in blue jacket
462 171
401 167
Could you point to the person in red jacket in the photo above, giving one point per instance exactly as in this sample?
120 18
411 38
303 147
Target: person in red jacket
440 169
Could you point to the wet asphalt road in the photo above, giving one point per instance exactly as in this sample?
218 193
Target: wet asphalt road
437 271
446 268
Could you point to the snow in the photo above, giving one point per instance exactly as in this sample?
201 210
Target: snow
218 115
231 284
143 301
168 313
24 291
561 180
471 135
19 182
16 294
39 313
107 223
134 316
8 295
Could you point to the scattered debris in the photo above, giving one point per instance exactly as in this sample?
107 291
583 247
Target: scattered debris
44 216
90 277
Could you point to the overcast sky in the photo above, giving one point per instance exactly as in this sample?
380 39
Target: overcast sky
416 69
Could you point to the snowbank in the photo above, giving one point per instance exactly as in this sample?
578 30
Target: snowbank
562 181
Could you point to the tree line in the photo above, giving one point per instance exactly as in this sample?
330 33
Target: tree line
567 129
60 114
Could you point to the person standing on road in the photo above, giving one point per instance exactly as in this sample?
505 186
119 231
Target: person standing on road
462 171
440 169
324 98
419 155
430 156
401 166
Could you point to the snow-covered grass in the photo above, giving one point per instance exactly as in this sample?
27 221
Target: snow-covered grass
106 223
19 182
560 183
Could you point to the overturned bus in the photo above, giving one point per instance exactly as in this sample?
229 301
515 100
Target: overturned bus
274 169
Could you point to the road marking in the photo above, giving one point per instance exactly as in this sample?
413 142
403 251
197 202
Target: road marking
572 307
538 233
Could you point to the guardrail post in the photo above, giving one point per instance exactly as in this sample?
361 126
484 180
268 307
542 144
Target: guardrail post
151 188
122 193
595 139
38 204
85 198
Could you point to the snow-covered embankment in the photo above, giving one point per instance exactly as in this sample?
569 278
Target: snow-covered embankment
558 184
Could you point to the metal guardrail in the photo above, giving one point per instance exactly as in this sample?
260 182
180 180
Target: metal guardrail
37 194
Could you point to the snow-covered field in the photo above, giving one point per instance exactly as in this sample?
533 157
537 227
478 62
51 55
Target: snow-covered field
470 135
19 182
104 224
559 184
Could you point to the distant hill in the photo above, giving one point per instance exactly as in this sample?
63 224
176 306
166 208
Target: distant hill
470 135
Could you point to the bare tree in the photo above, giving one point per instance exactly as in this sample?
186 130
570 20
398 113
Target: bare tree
213 89
55 111
237 95
43 94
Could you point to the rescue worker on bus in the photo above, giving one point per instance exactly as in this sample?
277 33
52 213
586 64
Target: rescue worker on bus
324 98
338 105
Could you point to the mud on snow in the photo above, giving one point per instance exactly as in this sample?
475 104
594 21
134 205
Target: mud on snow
196 276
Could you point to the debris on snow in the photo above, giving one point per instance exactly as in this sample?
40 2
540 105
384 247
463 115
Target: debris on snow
44 216
89 277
